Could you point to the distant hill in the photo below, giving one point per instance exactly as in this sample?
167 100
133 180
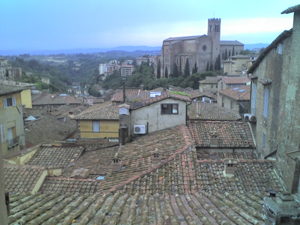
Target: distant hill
79 50
258 45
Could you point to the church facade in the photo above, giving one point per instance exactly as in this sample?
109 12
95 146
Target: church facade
201 49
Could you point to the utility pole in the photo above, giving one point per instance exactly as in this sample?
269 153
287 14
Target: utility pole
3 209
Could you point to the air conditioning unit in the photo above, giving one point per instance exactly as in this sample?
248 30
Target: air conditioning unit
139 129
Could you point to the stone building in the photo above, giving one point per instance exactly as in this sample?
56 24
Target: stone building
275 105
200 49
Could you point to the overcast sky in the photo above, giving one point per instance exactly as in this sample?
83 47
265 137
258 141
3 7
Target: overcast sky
67 24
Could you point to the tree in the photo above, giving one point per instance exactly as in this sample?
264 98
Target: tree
166 72
211 67
229 54
233 51
158 69
226 56
218 63
187 68
175 71
207 66
195 69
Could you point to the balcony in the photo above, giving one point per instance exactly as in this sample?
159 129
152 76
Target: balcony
13 142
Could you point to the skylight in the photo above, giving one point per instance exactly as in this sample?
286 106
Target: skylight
100 178
235 89
241 90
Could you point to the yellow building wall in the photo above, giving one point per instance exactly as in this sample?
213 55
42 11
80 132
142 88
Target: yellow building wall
108 128
12 117
26 98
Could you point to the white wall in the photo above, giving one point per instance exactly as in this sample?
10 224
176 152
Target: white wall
157 121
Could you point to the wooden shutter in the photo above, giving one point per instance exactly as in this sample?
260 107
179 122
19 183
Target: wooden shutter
14 101
5 103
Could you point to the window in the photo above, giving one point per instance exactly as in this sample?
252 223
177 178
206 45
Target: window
169 108
223 101
211 86
280 49
221 85
266 102
10 136
253 98
216 86
9 102
232 104
263 141
96 126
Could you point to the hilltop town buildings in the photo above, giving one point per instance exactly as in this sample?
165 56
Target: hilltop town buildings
200 49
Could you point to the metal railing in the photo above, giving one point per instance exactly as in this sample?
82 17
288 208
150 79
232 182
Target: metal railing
13 142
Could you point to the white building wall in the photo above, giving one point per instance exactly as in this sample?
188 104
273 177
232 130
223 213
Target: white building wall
152 115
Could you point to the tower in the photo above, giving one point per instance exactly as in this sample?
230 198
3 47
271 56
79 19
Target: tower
214 31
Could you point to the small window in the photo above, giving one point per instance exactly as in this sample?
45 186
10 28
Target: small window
216 86
266 102
9 102
263 142
221 85
169 108
96 126
280 49
232 104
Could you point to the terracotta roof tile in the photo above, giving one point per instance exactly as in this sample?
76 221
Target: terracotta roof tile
48 129
9 89
52 156
121 208
110 112
209 111
237 93
21 179
51 99
235 80
230 133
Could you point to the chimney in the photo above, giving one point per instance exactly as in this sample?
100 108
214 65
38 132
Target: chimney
229 167
116 163
214 139
156 157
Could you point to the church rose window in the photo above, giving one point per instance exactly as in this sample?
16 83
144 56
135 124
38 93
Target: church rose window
204 47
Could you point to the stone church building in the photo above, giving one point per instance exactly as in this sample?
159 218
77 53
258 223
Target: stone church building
202 49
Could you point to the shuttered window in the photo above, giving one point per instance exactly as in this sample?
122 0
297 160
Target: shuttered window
253 98
9 102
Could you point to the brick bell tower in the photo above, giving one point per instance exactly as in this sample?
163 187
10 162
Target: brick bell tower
214 31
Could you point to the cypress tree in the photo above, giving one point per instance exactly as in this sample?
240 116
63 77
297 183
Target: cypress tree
229 54
175 71
195 69
158 69
218 63
226 56
211 67
207 66
233 52
166 72
187 68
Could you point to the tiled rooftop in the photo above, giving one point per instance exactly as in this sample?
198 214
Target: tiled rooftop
208 111
130 94
48 129
51 99
70 185
250 176
235 80
237 93
52 156
97 162
163 96
230 133
110 112
21 179
136 156
120 208
9 89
